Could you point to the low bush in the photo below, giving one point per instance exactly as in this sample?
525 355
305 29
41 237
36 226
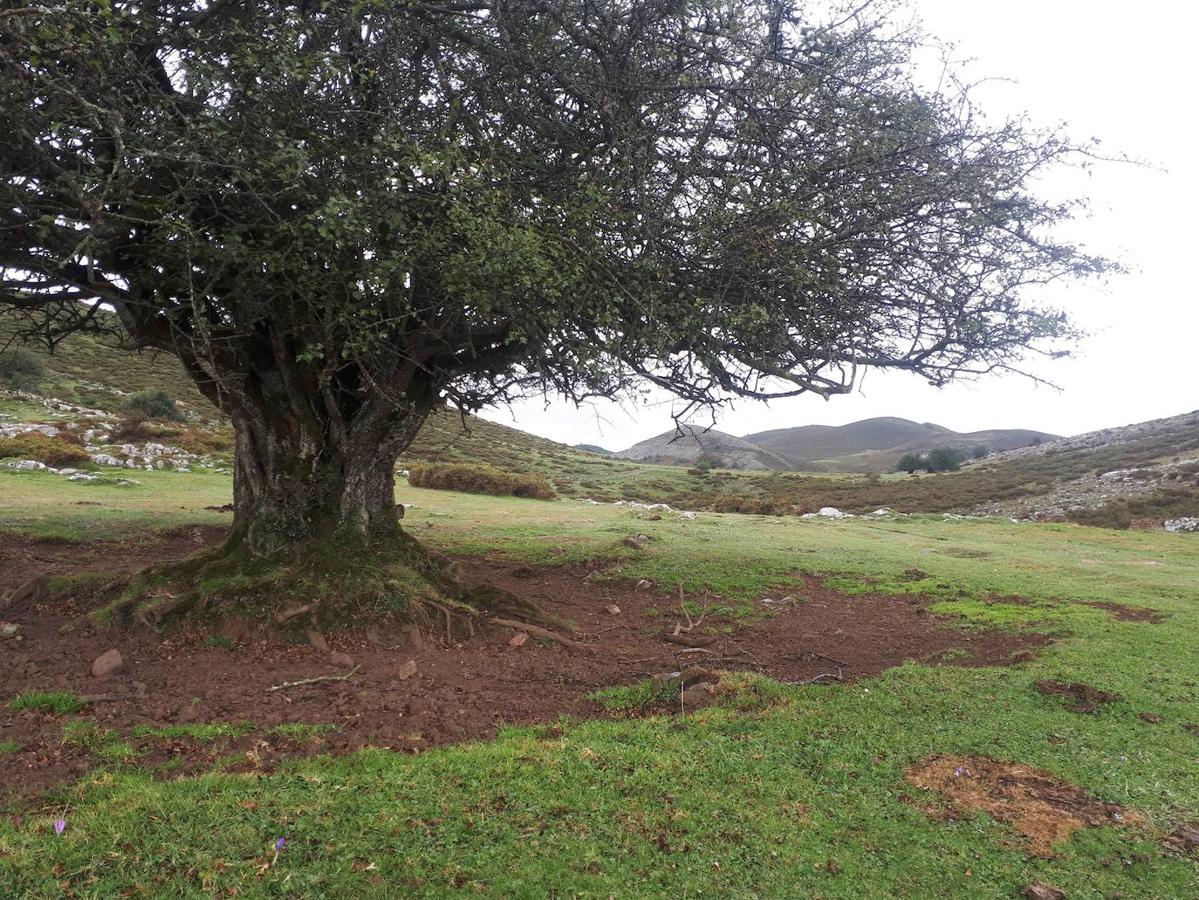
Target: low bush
50 451
20 369
156 405
136 427
474 479
203 443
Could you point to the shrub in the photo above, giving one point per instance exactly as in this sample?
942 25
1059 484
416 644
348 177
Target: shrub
474 479
134 427
910 463
50 451
21 369
156 405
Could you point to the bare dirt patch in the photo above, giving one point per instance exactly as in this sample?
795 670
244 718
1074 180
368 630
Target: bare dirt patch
1042 808
404 688
1124 613
1081 696
1183 840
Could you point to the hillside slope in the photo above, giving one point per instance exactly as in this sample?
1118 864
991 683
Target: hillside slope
1140 473
94 372
685 446
875 445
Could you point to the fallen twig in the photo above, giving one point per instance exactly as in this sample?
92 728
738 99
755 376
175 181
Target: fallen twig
818 678
687 641
107 698
538 631
318 678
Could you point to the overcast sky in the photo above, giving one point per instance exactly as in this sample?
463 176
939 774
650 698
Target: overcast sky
1120 72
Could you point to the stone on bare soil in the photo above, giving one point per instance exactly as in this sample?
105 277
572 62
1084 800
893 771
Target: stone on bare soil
407 670
316 639
107 663
342 660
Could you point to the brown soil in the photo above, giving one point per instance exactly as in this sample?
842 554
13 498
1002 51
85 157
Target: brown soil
412 690
1083 697
1183 840
1042 808
1124 613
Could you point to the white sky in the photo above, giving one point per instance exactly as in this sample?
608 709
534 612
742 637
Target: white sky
1118 72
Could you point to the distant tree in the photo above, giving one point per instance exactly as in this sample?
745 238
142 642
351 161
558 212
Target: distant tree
979 451
21 369
156 404
1036 441
945 459
343 215
911 462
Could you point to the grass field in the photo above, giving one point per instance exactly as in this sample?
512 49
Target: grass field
778 791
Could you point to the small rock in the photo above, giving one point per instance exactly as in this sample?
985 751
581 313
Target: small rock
107 663
518 639
342 660
831 512
317 640
613 609
415 638
1043 892
8 630
643 584
1151 718
407 670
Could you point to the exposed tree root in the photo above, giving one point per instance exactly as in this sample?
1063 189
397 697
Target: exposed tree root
537 631
328 587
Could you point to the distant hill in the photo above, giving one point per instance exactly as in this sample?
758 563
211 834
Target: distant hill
593 448
875 445
686 446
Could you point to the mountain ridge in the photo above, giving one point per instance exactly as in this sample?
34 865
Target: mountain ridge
868 445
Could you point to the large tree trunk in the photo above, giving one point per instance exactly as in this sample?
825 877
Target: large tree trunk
309 477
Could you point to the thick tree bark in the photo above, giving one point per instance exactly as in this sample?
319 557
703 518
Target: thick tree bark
305 476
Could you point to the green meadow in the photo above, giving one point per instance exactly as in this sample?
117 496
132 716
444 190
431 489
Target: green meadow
776 791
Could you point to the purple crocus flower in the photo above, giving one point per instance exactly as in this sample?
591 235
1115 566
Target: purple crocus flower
280 844
60 825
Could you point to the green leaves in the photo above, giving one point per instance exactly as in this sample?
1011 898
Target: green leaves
569 196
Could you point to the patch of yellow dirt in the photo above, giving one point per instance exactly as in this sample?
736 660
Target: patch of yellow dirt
1042 808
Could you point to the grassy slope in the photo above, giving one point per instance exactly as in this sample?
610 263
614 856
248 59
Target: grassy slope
83 358
799 793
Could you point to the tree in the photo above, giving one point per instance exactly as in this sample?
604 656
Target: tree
340 216
911 463
944 459
156 404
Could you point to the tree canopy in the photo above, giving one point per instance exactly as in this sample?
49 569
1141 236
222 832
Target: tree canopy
341 214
